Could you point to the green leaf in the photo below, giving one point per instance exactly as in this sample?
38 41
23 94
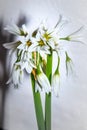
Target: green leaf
38 106
49 67
48 96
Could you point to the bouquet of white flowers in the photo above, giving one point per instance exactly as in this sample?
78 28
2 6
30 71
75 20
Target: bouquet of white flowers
34 54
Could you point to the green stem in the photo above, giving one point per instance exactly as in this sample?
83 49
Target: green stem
48 96
38 107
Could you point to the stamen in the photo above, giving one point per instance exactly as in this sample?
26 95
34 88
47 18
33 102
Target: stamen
34 73
41 42
28 43
47 36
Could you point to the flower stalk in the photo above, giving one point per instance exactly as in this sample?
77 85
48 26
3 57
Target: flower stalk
48 96
38 106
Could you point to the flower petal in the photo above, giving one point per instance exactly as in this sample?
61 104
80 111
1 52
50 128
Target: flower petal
10 45
44 82
13 29
56 84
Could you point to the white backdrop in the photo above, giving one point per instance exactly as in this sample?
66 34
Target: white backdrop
69 111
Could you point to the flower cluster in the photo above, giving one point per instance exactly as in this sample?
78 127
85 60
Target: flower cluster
32 50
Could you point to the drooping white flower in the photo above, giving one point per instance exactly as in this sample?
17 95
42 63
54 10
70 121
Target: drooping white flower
37 87
43 81
16 76
56 84
25 61
69 64
14 29
54 62
27 65
56 79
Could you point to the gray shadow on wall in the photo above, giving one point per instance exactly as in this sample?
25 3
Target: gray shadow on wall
4 75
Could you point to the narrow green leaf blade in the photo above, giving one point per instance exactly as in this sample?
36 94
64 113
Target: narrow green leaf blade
48 96
38 107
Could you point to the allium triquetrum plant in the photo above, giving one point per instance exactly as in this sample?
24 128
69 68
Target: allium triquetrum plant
34 54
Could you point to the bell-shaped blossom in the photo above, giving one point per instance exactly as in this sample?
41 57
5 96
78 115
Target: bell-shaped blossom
43 81
27 65
69 64
56 83
16 76
56 79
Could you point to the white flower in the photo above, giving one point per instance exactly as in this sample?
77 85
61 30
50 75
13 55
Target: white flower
14 29
32 50
45 34
60 24
47 38
25 61
56 84
28 65
43 81
16 76
37 87
50 32
54 62
74 37
56 79
28 44
42 47
69 64
12 46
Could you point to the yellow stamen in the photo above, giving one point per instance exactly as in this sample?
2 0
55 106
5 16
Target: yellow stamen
47 36
28 43
44 61
17 67
34 73
41 42
34 56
